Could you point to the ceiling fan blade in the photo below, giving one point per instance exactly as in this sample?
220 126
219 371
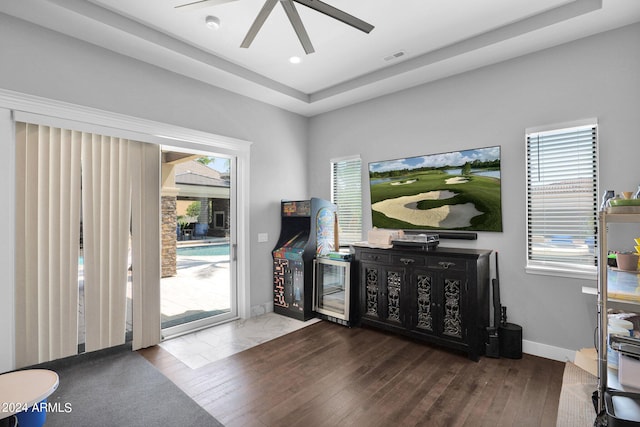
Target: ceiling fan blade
259 21
337 14
201 4
296 22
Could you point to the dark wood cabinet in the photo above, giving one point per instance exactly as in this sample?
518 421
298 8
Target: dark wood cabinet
440 295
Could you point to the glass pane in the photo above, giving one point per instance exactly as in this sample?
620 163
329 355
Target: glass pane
197 287
331 288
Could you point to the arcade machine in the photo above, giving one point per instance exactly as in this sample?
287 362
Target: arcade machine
308 229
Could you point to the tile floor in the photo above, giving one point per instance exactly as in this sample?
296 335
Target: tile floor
208 345
200 286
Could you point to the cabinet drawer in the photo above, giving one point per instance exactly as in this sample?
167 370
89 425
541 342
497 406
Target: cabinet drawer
408 260
456 264
374 256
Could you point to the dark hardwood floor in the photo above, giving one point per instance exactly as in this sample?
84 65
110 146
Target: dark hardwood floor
329 375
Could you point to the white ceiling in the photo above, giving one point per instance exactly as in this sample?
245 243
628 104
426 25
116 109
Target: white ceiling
439 38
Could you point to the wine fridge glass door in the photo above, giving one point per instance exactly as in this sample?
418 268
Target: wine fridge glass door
331 287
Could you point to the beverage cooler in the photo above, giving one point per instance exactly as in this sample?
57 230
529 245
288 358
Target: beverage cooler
308 229
333 298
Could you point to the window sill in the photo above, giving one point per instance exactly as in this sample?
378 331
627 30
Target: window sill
587 273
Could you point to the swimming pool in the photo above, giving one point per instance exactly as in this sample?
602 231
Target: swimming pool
203 250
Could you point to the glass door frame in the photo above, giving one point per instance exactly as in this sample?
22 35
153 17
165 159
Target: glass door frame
233 314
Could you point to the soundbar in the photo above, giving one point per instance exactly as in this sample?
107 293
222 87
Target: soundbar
460 235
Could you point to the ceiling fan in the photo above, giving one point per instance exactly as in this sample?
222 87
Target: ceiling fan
293 16
296 22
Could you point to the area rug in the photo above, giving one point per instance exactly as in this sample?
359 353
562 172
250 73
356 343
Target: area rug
119 389
576 407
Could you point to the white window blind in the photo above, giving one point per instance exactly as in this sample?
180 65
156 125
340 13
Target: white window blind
346 192
562 199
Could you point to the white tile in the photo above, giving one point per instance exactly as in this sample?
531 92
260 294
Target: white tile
208 345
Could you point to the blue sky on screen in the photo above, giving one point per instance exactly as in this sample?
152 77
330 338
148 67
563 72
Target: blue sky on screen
452 159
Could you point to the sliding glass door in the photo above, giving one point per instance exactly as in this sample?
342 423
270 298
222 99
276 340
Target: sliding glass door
198 286
55 314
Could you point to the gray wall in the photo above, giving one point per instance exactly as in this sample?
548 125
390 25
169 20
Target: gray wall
39 62
594 77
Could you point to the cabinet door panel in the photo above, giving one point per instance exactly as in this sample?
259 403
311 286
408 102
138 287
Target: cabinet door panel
453 305
370 290
439 302
382 293
425 307
392 300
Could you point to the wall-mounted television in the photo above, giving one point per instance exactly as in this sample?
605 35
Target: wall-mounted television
459 190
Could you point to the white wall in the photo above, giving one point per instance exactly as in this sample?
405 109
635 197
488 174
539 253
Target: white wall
7 216
594 77
39 62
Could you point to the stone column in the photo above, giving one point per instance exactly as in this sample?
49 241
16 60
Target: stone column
169 221
169 236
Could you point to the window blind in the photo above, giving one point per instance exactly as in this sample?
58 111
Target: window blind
47 234
65 179
346 192
562 199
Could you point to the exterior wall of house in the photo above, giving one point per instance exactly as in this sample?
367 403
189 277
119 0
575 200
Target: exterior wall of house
222 207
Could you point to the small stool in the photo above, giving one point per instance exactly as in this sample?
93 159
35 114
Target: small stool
24 390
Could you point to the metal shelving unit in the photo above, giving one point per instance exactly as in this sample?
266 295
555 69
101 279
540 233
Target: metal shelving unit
604 219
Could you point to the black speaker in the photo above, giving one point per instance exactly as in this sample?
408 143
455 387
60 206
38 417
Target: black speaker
510 336
492 347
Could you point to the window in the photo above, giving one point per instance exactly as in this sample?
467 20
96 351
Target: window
562 200
346 192
218 219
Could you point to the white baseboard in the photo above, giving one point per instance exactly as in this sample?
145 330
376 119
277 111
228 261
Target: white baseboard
548 351
528 347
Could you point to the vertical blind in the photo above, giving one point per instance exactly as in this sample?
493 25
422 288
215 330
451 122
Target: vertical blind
47 249
146 244
117 182
106 216
562 199
346 192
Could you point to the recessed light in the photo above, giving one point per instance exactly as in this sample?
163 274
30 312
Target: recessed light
295 60
212 22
